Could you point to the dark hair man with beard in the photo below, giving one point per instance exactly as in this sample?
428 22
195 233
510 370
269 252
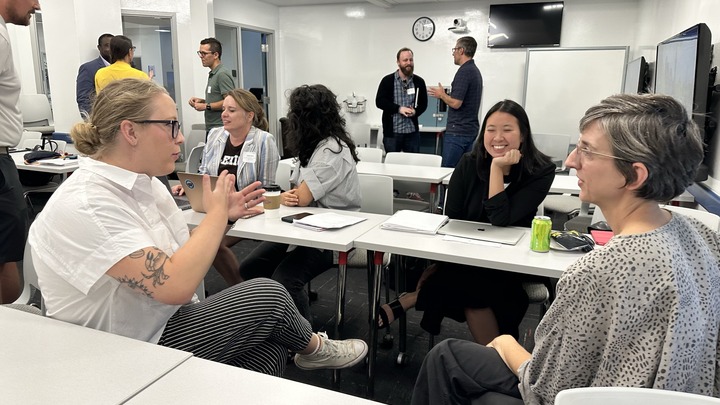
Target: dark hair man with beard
402 96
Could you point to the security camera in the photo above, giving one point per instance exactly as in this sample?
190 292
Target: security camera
459 26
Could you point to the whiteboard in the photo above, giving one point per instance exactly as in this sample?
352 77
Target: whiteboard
562 83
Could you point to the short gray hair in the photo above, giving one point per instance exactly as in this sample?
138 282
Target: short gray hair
654 130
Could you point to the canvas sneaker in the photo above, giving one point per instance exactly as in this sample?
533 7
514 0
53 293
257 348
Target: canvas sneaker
333 354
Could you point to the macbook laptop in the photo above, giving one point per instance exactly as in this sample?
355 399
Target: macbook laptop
482 231
193 186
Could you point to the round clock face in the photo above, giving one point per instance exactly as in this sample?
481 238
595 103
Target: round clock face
423 28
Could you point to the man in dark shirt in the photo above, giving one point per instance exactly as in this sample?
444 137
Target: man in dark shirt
85 83
463 102
219 83
402 97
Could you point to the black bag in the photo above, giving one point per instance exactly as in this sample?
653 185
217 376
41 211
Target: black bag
36 155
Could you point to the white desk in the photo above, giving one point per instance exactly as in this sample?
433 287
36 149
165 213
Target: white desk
199 381
518 258
70 165
46 361
274 230
433 176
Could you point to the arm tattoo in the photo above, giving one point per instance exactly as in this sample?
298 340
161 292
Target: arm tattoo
154 264
134 284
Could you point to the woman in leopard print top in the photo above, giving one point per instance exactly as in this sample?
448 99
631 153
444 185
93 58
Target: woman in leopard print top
644 311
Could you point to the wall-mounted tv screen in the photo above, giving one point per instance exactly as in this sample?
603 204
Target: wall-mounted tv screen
525 24
636 76
682 70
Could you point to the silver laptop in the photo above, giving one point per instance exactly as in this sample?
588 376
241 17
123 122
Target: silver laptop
482 231
193 187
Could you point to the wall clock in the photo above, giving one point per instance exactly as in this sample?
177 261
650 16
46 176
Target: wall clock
423 29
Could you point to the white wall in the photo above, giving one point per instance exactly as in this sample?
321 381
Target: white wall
71 31
661 19
355 53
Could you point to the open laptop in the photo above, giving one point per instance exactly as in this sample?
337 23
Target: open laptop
482 231
193 186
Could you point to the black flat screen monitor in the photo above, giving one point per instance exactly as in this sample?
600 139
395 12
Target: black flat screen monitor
525 24
682 69
636 76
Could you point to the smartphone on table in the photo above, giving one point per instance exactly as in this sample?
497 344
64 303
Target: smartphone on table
291 218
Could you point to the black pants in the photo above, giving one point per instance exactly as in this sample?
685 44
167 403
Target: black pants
463 372
13 212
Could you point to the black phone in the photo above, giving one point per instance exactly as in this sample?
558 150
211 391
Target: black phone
291 218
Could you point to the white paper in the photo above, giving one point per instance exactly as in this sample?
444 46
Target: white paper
415 221
327 220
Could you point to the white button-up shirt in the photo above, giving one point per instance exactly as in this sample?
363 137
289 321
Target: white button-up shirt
99 216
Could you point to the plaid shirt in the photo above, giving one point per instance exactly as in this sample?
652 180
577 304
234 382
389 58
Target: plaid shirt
401 123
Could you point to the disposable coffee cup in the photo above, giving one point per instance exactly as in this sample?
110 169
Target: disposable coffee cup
272 201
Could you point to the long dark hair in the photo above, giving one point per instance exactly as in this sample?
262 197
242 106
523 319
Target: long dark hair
532 159
314 115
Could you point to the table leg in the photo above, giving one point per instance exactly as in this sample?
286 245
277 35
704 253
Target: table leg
340 301
374 307
433 193
437 142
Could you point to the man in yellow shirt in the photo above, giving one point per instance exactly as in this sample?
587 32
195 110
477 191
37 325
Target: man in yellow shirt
122 52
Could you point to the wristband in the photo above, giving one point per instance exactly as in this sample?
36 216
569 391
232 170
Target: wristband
208 107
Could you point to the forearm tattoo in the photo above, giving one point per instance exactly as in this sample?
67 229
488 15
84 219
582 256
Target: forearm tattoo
155 260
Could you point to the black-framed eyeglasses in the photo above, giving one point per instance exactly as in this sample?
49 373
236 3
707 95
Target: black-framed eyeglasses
203 53
173 124
133 47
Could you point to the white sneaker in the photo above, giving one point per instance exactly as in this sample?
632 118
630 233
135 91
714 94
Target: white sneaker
333 354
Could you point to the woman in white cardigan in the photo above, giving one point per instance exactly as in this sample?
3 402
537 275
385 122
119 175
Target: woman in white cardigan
243 147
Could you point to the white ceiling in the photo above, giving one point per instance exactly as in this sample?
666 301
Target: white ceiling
380 3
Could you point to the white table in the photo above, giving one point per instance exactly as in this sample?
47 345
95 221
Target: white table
69 165
199 381
518 258
433 176
274 230
46 361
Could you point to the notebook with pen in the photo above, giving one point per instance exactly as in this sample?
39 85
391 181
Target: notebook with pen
482 231
193 187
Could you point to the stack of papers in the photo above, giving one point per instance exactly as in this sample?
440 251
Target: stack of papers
57 162
327 220
415 221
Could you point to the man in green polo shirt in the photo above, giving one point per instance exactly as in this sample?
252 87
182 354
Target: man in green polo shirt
220 82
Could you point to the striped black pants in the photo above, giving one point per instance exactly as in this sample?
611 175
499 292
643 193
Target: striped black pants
250 325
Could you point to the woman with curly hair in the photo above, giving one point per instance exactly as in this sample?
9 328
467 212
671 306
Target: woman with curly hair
326 177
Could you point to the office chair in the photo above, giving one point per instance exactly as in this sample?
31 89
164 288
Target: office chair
403 187
374 155
36 113
30 281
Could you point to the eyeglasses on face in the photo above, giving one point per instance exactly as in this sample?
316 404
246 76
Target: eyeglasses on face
583 153
133 47
203 54
173 124
455 49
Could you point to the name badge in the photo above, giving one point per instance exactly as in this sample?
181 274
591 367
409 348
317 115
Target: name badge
411 91
249 157
209 90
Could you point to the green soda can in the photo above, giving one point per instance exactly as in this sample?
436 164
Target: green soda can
540 234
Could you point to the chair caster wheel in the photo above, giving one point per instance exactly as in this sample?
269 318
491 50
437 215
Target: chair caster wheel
401 359
387 341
